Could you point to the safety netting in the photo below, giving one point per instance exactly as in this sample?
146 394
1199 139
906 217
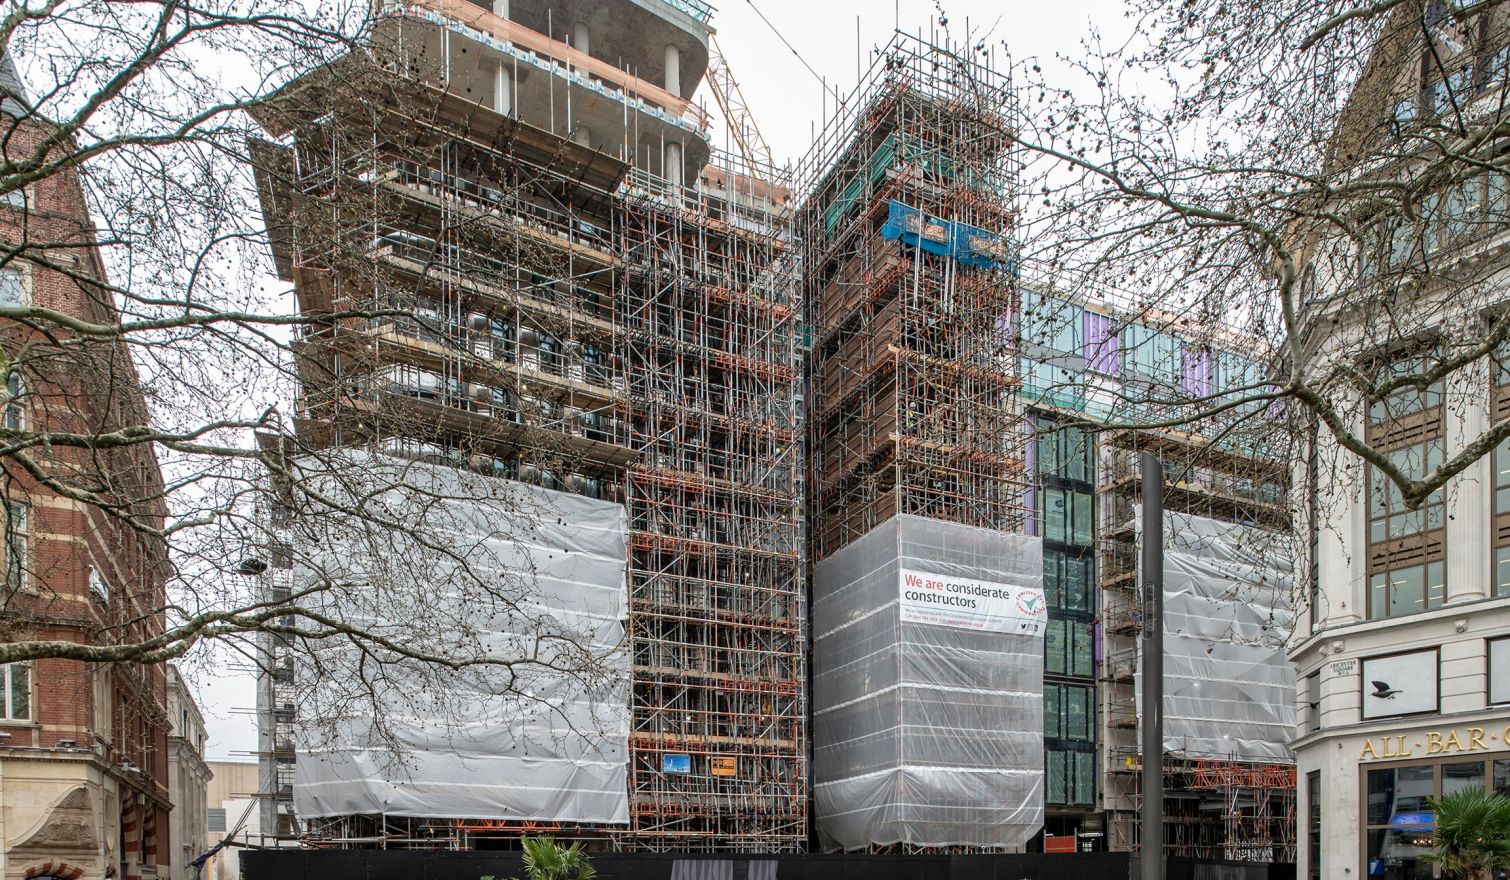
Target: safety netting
1229 688
928 688
458 566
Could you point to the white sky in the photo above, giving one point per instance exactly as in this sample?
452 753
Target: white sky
787 103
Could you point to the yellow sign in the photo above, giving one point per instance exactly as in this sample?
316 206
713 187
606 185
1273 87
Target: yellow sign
722 766
1435 742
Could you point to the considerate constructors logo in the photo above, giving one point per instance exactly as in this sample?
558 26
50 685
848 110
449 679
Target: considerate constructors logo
1030 604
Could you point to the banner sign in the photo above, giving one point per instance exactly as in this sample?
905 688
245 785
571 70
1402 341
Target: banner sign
966 603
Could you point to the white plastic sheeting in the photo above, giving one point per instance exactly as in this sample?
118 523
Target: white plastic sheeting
1229 688
928 733
487 566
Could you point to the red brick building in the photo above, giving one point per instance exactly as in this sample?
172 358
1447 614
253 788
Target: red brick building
83 747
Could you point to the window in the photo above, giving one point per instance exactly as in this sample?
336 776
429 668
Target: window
15 198
1067 581
1068 648
1149 353
1101 353
217 819
1050 322
12 287
1197 375
1067 517
1406 548
15 411
17 543
1063 451
1388 515
1399 821
1071 777
17 691
97 585
1069 712
1313 702
1499 670
1313 825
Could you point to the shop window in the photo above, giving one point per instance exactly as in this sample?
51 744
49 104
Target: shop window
1313 825
1398 814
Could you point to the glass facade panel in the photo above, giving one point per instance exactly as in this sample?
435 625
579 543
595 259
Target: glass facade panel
1395 854
1459 777
1085 778
1056 770
1407 590
1394 793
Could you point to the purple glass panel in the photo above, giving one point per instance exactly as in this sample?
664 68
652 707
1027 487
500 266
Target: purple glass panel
1197 377
1100 343
1030 499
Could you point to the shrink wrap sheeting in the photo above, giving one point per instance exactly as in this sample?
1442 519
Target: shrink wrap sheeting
928 688
1229 687
491 566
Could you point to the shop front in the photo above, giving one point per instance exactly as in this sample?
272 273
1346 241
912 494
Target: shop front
1388 779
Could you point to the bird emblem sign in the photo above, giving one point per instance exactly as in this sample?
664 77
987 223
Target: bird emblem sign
1399 684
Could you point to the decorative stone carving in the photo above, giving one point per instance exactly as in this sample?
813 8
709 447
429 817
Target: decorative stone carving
69 825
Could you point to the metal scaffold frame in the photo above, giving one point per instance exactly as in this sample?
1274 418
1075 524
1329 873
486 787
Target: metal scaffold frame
708 305
1216 807
911 284
562 319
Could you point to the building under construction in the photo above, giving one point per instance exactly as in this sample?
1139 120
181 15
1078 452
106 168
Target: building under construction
567 289
1094 368
519 257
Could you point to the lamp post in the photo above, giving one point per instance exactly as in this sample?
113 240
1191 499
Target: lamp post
1151 850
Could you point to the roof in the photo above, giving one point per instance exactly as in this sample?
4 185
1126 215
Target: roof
13 98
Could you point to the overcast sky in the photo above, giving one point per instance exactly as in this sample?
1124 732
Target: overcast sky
787 103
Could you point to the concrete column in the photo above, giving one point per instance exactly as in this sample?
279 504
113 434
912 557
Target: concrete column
581 136
503 90
674 70
581 40
501 8
673 164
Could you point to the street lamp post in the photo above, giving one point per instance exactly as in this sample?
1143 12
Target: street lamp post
1151 849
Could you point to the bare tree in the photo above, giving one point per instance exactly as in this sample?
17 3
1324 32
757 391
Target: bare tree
1327 176
156 370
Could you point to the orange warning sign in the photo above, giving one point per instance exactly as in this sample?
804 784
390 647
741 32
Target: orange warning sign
722 766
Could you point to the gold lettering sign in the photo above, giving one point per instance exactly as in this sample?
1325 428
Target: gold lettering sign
1452 741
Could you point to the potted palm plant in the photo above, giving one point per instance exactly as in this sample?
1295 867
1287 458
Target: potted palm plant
1471 838
544 859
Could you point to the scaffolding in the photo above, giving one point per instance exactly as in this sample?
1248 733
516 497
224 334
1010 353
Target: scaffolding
911 282
709 307
1216 806
541 311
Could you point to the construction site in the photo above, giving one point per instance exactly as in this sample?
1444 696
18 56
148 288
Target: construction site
805 409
